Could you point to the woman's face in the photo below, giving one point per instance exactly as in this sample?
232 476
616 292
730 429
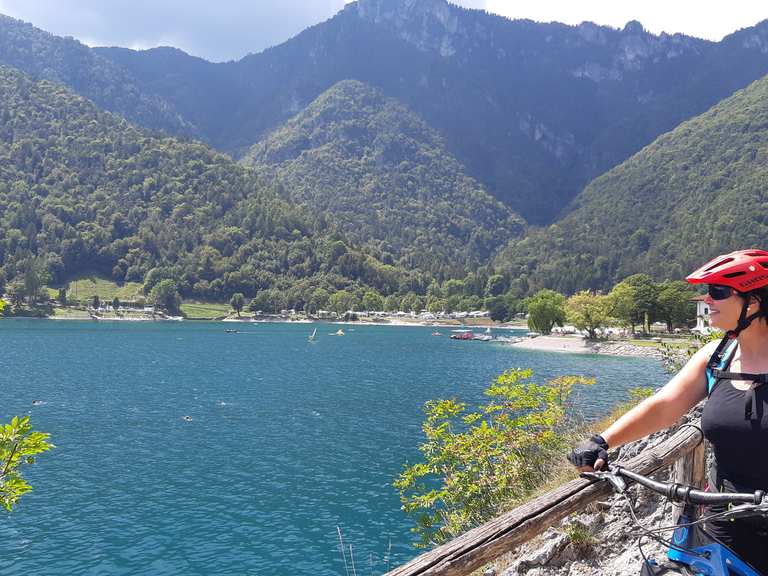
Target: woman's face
724 313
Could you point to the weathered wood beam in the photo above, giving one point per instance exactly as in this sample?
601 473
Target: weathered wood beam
483 544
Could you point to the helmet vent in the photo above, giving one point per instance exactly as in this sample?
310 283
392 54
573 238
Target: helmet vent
763 263
718 264
734 274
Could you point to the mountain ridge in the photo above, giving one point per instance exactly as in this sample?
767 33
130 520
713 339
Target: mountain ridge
385 177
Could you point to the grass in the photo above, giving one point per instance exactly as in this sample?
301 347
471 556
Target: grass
70 313
205 311
679 343
86 287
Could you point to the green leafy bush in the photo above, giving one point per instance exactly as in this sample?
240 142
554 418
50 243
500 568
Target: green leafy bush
478 463
19 445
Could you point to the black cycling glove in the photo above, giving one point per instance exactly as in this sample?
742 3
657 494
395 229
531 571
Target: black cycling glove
589 452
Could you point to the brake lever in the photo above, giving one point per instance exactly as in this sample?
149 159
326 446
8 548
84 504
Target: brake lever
744 511
618 483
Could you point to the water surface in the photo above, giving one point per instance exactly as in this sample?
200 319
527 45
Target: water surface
287 440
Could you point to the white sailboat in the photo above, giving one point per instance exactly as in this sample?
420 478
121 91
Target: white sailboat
312 336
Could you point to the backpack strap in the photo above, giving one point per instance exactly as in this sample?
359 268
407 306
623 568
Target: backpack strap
717 372
719 360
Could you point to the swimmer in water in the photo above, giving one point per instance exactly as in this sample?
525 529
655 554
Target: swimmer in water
36 402
188 418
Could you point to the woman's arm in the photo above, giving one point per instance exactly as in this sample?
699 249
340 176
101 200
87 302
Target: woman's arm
685 390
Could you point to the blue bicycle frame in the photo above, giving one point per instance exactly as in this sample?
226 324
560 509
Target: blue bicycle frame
711 559
693 548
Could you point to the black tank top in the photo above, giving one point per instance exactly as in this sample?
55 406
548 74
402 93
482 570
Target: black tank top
740 445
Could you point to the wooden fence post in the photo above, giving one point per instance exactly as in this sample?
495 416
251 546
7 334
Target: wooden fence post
689 470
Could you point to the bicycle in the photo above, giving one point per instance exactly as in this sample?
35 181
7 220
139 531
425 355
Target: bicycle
690 551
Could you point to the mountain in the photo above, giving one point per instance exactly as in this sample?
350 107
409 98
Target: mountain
384 176
698 191
533 111
82 190
66 61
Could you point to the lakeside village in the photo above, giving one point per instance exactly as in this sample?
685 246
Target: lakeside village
670 314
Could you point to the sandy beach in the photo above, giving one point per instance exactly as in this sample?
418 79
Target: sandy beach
578 345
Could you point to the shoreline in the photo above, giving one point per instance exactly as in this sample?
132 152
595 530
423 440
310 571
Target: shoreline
565 344
580 345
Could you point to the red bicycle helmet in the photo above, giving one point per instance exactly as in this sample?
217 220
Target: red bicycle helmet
743 270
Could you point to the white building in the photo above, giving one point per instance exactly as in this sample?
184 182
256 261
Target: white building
702 316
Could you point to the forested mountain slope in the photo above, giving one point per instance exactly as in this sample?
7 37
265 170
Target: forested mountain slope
385 177
44 56
533 111
84 190
695 192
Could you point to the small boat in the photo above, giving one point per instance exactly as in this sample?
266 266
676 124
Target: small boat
338 332
482 337
230 331
313 336
462 335
437 333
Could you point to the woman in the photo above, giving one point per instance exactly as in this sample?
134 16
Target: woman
730 374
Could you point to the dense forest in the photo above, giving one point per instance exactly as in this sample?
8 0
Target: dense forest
384 176
532 111
697 191
83 190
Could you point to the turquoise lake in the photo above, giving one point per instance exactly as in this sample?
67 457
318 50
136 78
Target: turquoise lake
287 440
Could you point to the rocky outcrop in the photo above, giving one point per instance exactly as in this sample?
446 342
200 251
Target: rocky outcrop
602 539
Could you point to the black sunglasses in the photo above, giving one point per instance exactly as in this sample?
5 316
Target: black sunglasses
719 292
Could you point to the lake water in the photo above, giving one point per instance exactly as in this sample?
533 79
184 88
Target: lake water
287 440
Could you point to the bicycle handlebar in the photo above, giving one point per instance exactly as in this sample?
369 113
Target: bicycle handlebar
674 492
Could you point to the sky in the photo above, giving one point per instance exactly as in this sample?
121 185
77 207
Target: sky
230 29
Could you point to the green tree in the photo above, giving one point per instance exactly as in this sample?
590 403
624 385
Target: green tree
165 296
237 302
588 311
497 308
115 304
392 303
318 300
260 302
476 463
372 301
95 302
435 305
545 309
19 445
341 301
496 285
635 301
675 305
62 296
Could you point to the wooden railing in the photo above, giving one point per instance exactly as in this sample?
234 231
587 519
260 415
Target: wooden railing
484 544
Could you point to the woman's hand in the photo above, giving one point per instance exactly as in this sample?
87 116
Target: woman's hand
590 455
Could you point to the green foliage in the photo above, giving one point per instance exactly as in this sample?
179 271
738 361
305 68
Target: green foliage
386 178
85 194
165 296
545 309
675 305
19 445
696 192
580 537
477 463
588 311
237 302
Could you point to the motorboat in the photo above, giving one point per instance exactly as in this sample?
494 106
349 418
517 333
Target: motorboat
462 335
